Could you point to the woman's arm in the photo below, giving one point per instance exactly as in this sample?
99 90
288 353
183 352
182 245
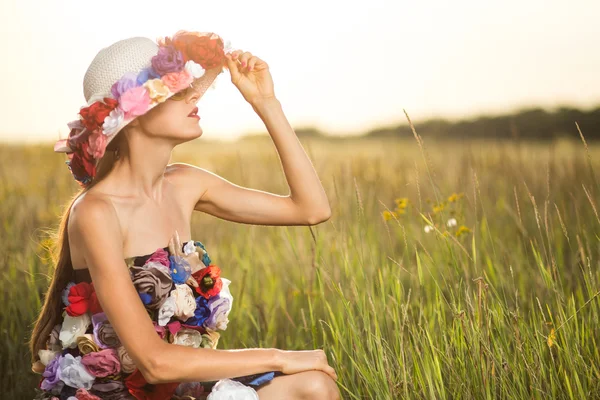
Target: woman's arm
94 228
307 203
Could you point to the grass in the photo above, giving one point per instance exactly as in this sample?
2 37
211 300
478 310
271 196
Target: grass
503 304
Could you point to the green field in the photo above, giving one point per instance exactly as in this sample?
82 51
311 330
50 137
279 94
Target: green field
504 304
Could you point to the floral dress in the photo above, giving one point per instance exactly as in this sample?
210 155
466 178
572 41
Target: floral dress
189 303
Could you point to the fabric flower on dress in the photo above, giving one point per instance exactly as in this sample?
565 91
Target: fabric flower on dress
210 339
104 333
166 310
140 389
159 256
102 363
86 344
154 281
180 269
209 281
201 312
189 247
83 394
73 373
188 337
72 328
228 389
47 355
127 364
184 301
220 306
51 374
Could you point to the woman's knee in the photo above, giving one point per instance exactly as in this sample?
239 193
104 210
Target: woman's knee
318 385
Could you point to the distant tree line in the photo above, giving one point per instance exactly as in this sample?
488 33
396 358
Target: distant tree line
532 123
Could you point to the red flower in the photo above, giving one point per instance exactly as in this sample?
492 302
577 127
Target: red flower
209 280
205 48
82 164
142 390
93 116
79 296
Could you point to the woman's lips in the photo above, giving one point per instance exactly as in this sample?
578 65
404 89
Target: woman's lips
194 113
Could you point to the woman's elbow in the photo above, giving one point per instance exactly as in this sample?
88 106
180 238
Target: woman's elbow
152 368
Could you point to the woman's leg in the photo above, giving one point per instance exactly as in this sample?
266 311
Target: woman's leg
303 385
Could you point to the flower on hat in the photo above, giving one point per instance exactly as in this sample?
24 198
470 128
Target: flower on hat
177 81
127 81
202 49
94 115
135 101
112 122
157 90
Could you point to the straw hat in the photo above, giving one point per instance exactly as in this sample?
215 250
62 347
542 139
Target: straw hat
129 78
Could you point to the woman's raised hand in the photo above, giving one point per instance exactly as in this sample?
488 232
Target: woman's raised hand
294 361
250 75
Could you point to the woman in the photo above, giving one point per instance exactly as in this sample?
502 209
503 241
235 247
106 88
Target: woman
119 298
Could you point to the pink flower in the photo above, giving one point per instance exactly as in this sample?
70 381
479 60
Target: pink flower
135 101
177 81
160 256
102 363
97 142
83 394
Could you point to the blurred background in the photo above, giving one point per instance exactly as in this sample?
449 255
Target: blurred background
457 143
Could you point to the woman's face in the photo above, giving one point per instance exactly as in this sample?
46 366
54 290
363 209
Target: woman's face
171 119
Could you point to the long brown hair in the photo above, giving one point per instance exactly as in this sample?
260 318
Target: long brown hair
51 313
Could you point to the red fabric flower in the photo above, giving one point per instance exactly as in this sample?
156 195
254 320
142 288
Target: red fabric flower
205 48
95 306
209 281
82 163
79 297
142 390
93 116
83 394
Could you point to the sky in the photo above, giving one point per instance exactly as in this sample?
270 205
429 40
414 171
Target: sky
343 67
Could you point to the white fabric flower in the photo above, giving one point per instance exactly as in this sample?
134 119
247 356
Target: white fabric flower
228 389
220 306
47 355
189 247
210 339
194 69
227 47
72 328
188 337
112 121
185 302
166 311
74 373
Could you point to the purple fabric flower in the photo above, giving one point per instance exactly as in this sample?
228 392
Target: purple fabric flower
127 81
168 59
201 313
51 373
104 333
146 74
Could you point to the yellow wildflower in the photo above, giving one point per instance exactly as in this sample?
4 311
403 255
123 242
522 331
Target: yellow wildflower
551 338
462 229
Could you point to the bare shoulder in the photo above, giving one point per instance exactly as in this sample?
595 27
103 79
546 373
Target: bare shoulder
189 179
93 215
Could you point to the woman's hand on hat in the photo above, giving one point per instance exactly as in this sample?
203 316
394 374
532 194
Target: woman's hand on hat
250 75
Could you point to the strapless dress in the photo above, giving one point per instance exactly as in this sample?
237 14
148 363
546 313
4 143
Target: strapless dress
188 302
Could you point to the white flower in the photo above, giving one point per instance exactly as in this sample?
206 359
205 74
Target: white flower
72 328
227 389
166 311
185 302
220 306
428 228
47 355
189 247
188 337
194 69
451 222
227 47
112 121
74 373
